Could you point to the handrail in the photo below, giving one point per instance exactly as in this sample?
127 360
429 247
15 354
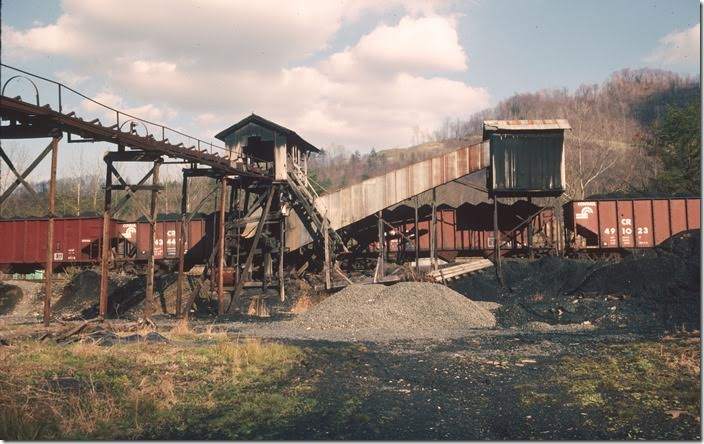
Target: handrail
119 113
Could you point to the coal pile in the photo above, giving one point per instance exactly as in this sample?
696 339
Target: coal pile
650 291
404 310
10 296
79 295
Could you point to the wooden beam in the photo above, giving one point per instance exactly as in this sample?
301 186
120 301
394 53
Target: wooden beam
136 188
105 245
25 131
282 250
183 238
433 234
221 246
141 208
149 293
132 156
326 246
416 230
250 256
123 201
49 269
20 178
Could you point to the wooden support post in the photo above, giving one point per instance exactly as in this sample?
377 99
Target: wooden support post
497 244
326 246
49 269
417 237
282 250
530 233
106 242
149 293
250 255
182 242
433 234
221 247
380 262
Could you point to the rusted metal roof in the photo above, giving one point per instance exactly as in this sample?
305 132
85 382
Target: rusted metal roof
268 124
527 125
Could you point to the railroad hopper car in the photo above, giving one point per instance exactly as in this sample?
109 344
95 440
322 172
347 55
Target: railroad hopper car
77 242
616 225
168 233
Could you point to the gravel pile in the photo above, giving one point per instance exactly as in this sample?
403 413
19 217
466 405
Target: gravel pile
405 310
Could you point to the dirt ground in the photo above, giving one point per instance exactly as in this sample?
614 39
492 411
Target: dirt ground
580 350
494 384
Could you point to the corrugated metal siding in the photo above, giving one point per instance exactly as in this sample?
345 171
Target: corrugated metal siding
353 203
527 162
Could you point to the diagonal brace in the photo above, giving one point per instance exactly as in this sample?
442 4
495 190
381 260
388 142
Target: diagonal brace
21 177
128 188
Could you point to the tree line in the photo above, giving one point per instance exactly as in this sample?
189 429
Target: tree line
636 133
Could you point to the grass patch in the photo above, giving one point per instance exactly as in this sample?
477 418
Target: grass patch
630 387
210 388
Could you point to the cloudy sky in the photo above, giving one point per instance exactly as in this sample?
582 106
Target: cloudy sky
360 74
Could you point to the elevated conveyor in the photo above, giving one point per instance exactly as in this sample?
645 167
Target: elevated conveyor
355 202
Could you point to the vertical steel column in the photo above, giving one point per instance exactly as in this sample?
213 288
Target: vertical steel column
49 269
433 234
221 246
530 233
106 243
183 239
149 294
417 235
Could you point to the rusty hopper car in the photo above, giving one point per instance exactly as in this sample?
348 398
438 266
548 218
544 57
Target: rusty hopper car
76 241
166 239
624 224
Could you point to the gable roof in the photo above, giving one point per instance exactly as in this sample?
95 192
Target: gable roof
523 125
261 121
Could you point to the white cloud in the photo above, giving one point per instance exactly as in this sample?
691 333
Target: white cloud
422 44
217 62
148 111
677 48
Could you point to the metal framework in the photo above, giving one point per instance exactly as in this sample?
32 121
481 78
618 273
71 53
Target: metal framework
135 143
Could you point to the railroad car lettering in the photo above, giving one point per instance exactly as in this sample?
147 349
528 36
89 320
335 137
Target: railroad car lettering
584 213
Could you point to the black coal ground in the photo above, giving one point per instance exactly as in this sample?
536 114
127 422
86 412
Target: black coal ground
656 290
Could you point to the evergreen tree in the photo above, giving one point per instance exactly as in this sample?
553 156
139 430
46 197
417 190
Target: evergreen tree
676 142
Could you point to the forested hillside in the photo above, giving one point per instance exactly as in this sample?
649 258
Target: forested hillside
638 132
609 150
